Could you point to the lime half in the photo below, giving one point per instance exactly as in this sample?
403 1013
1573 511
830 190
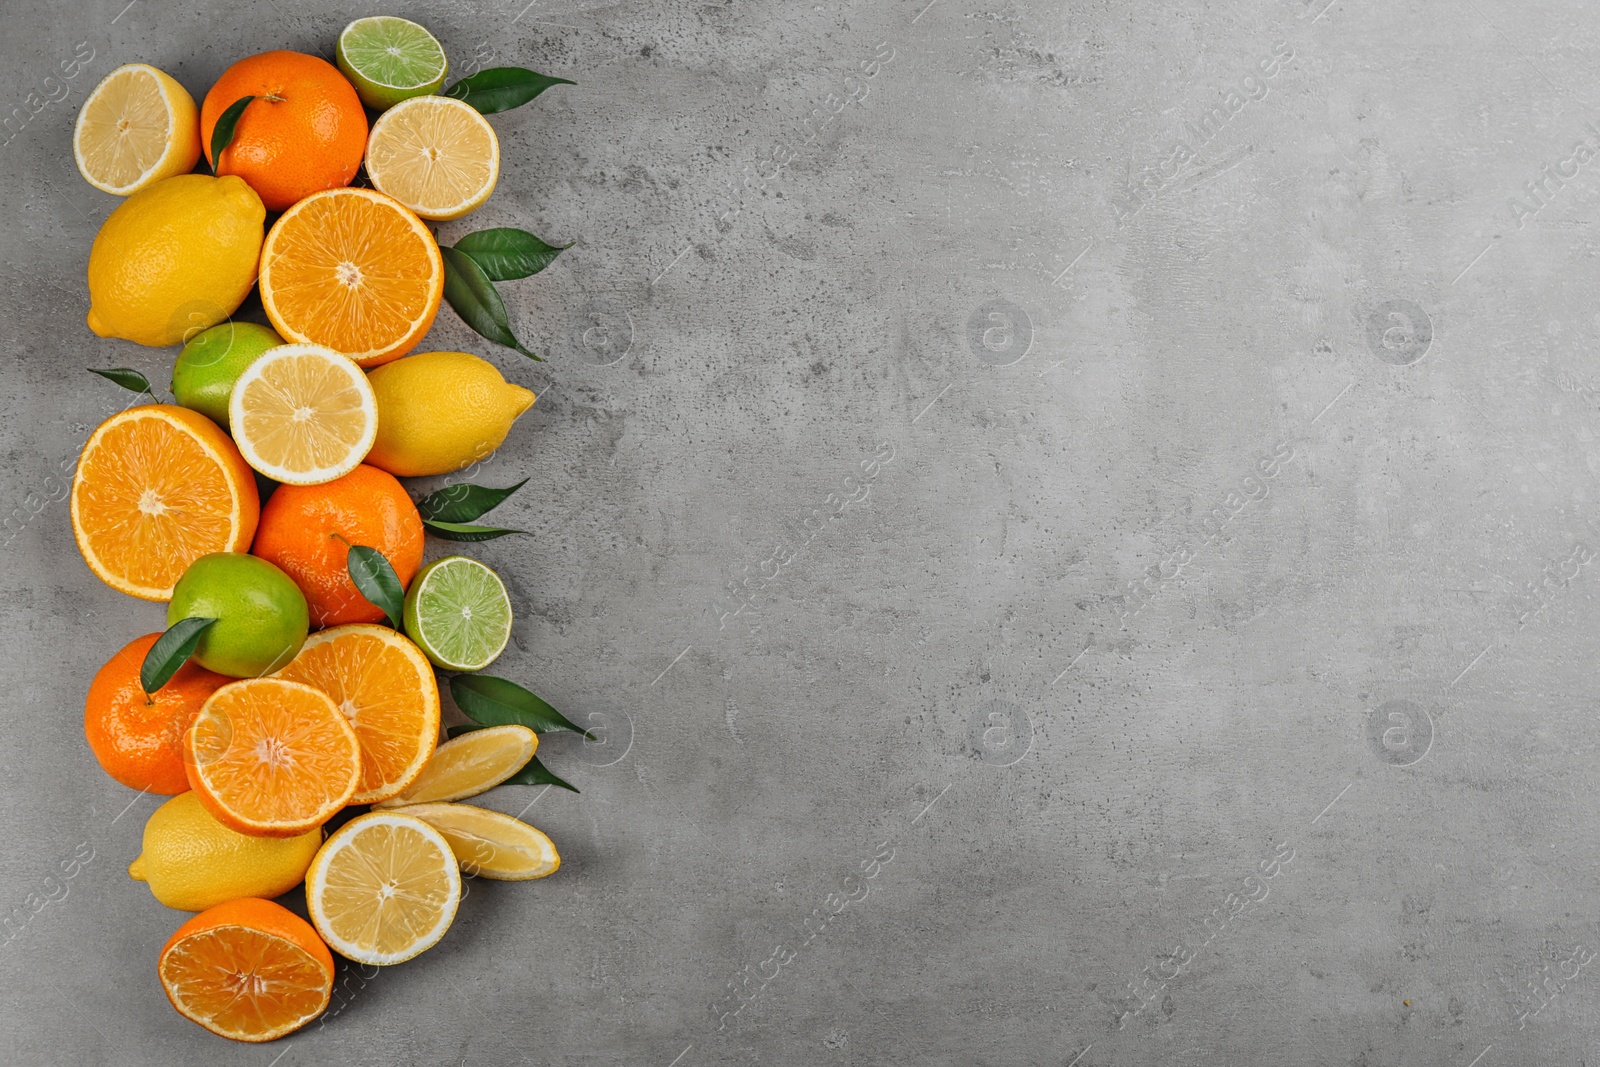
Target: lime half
458 613
390 59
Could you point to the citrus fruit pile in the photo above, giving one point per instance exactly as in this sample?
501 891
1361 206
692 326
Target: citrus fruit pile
296 676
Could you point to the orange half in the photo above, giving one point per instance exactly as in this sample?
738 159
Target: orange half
158 487
385 686
271 757
353 270
249 970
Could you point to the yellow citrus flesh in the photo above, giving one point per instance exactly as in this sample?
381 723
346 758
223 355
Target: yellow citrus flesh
272 757
384 888
491 845
436 155
303 414
467 765
385 686
158 487
353 270
137 127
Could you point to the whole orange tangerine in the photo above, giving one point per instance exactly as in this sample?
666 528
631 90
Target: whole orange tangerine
138 737
308 530
304 132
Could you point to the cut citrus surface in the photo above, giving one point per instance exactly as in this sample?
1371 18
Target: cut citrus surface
458 611
384 888
137 127
272 757
491 845
353 270
249 970
385 686
303 414
158 487
436 155
390 59
467 765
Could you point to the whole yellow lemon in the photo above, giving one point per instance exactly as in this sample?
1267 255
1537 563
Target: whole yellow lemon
441 411
192 862
174 258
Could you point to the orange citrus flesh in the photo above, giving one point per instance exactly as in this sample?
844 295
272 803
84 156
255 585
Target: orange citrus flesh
249 970
385 686
353 270
158 487
272 757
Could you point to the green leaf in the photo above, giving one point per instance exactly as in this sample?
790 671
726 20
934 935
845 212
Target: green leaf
505 253
502 88
536 773
533 772
222 132
476 300
126 377
463 501
171 651
377 581
495 701
457 531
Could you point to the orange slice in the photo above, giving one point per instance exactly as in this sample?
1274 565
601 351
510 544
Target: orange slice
353 270
384 888
385 686
158 487
303 414
465 766
271 758
249 970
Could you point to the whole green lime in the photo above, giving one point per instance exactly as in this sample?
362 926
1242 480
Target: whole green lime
203 377
261 614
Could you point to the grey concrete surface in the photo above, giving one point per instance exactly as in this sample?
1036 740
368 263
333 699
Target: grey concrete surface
1074 567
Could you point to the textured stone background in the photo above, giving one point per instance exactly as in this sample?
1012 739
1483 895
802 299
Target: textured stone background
905 486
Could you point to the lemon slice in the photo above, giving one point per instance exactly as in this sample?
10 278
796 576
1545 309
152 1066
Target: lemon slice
467 765
434 154
303 414
383 888
489 844
137 127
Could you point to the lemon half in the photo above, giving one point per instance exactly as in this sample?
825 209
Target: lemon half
137 127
